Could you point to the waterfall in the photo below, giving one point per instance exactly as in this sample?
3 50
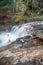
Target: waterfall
17 31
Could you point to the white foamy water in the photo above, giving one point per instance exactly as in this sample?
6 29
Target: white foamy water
16 32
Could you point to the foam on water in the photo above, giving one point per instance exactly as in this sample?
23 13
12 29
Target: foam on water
16 32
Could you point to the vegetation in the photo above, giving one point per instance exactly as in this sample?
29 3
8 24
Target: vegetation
22 8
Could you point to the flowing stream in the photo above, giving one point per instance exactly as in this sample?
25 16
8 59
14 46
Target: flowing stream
17 31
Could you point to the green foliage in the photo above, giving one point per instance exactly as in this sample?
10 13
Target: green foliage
34 5
7 4
21 5
17 5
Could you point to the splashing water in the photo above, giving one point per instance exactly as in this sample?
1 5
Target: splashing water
16 32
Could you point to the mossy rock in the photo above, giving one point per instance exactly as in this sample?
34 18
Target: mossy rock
39 35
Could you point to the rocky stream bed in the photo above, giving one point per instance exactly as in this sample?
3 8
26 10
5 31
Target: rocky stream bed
26 50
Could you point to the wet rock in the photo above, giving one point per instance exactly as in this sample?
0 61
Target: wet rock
5 61
39 34
22 56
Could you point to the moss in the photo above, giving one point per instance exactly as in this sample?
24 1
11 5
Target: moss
33 16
